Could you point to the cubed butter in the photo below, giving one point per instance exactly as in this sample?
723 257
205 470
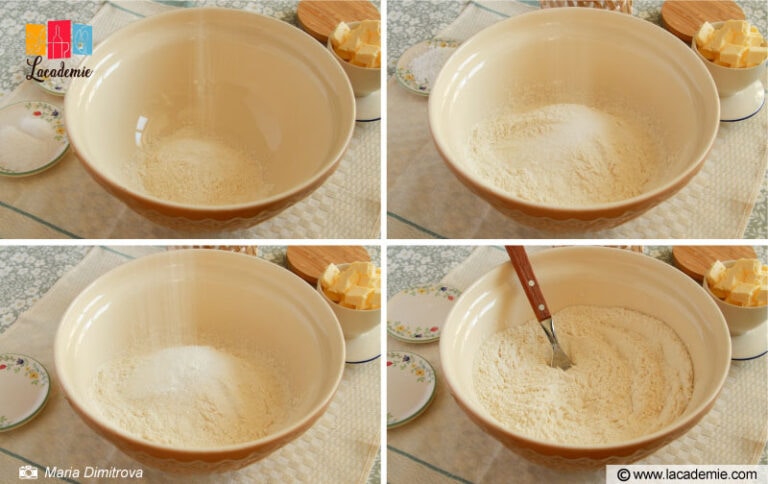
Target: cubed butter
734 44
744 283
354 286
731 54
705 32
360 45
374 299
715 273
339 34
329 275
741 295
755 55
760 297
357 297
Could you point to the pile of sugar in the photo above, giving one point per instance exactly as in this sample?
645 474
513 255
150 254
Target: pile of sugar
632 375
192 396
565 154
189 166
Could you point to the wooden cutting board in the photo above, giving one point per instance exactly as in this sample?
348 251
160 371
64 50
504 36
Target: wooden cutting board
684 17
696 260
309 262
319 17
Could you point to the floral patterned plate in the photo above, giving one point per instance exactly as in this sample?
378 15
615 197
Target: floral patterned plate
410 387
419 66
24 389
32 137
416 315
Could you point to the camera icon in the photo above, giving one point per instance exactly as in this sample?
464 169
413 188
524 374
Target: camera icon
27 472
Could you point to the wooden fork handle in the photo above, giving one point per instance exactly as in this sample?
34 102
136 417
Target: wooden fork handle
528 280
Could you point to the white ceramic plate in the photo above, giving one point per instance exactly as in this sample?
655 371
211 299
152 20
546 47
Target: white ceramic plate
24 389
417 315
364 348
419 66
32 137
744 104
411 387
750 345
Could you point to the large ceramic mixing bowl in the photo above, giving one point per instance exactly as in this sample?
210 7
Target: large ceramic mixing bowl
240 301
577 53
594 276
217 89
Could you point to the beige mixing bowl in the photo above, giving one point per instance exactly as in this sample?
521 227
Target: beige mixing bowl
577 51
241 301
595 276
221 81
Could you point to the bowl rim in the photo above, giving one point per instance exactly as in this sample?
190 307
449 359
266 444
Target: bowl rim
705 285
673 429
606 209
346 127
289 432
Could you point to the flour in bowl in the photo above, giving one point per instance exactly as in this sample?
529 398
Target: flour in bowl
568 154
192 396
191 166
632 375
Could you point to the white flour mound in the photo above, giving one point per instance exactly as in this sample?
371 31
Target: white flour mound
632 375
565 154
192 396
188 166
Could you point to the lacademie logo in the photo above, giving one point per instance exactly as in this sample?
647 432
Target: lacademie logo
58 39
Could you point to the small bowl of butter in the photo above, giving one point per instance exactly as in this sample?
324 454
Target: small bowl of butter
734 52
740 290
357 47
354 293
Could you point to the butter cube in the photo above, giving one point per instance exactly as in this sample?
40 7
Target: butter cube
367 56
357 297
731 55
716 273
374 298
362 268
755 55
741 295
718 40
704 34
760 297
329 275
350 45
747 269
339 34
372 29
346 280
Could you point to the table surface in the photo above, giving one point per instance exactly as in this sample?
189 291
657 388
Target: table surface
412 21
